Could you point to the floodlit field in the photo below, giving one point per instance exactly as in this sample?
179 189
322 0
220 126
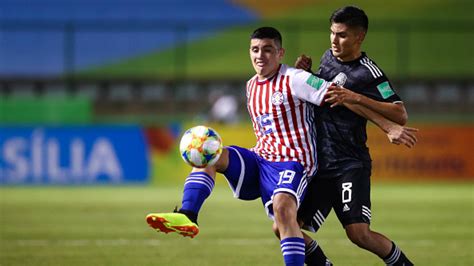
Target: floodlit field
433 223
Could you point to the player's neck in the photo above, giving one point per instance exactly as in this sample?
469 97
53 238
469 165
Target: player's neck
350 57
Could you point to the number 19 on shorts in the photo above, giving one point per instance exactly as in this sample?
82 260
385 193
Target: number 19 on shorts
286 177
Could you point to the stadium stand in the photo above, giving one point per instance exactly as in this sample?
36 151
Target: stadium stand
102 31
73 36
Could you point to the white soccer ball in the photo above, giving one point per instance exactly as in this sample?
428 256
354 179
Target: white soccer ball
200 146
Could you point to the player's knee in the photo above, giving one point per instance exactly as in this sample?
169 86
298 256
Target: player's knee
359 234
280 212
284 207
223 162
275 229
360 239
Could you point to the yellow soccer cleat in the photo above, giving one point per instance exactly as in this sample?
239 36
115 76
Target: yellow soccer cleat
172 222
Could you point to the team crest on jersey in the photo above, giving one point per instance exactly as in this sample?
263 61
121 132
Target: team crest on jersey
340 79
277 98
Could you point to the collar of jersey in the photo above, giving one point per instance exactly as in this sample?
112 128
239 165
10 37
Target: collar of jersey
261 82
362 55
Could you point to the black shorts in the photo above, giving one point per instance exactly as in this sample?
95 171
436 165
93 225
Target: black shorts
348 194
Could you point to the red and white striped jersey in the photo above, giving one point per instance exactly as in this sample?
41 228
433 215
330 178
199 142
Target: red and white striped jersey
282 115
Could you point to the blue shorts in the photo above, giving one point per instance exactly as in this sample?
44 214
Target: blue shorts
251 177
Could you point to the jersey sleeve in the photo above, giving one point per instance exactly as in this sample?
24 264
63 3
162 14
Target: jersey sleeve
381 90
308 87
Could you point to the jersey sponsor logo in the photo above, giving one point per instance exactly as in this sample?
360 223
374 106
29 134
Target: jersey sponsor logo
314 82
277 98
346 208
385 89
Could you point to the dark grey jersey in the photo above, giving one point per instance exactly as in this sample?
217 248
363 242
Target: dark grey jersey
341 134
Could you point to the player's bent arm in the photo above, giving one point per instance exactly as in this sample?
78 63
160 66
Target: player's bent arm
397 134
380 121
394 111
308 87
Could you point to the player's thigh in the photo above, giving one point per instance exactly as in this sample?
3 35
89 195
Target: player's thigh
352 202
317 204
242 173
281 177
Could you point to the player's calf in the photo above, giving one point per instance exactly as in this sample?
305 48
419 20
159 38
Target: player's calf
396 257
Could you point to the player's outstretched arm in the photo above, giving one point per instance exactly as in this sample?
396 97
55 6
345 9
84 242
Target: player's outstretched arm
397 134
393 111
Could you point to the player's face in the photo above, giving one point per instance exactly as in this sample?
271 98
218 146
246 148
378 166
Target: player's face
346 42
266 56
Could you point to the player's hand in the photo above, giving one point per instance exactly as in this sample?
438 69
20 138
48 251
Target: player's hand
402 135
304 62
339 95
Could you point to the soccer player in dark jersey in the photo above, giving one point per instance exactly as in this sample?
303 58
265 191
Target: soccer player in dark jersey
343 178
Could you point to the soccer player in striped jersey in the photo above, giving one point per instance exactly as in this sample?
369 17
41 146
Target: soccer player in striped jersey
343 178
280 102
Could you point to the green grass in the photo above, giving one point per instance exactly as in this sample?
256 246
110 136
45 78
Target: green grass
105 226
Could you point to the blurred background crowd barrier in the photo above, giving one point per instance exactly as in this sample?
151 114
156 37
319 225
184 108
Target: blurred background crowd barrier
67 67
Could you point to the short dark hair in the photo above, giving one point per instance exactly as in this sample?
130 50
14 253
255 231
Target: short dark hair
268 33
352 16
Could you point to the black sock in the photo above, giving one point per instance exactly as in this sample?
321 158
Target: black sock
191 215
315 255
396 257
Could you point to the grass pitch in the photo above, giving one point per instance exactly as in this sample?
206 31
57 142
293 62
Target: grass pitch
433 224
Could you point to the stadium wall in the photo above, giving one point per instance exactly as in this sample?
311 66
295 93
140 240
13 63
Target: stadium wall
66 155
72 155
443 152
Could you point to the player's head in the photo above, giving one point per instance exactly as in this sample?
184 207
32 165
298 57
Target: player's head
266 51
349 26
352 17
